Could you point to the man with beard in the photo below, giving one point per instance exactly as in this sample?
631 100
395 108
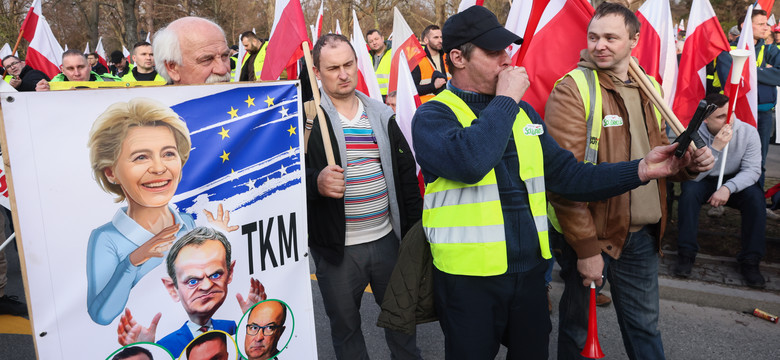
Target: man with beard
192 50
252 65
143 57
431 75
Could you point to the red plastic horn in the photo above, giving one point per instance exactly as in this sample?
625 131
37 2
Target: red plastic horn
592 348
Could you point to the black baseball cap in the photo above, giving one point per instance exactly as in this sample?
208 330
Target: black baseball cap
479 26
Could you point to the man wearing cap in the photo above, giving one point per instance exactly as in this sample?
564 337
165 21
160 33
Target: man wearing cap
485 207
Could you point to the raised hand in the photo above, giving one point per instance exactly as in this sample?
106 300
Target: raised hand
256 294
222 219
156 246
129 331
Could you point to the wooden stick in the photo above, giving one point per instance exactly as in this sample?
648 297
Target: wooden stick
315 90
649 90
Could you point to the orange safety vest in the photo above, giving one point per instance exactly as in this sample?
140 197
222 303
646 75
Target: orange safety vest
426 73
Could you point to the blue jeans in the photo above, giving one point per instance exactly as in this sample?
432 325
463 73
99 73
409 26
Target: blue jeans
342 288
751 205
765 126
633 281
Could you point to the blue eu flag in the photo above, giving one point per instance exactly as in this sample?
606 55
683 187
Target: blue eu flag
244 146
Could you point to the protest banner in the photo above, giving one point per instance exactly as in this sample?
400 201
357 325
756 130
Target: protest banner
84 182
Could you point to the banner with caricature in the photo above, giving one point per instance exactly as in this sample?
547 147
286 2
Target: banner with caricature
165 221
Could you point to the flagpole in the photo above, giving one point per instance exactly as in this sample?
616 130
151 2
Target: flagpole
655 98
315 91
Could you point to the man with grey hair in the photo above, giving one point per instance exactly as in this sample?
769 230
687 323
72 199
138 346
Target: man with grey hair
200 270
192 50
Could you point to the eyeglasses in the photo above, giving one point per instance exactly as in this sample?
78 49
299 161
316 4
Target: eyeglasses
268 330
13 64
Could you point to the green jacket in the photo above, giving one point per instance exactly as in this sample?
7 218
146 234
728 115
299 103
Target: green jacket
409 296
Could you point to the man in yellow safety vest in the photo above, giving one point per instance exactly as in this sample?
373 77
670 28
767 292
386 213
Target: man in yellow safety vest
487 162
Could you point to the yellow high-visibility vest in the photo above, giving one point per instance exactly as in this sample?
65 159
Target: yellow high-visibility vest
383 72
588 85
464 223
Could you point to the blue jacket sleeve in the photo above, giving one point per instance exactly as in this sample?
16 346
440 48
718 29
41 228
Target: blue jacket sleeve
579 181
110 278
446 149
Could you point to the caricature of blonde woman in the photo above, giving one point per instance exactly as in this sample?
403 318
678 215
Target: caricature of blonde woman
137 151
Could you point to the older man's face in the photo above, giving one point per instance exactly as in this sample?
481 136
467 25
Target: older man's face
13 66
202 278
205 56
265 318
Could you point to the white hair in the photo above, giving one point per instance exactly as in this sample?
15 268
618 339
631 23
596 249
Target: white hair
167 48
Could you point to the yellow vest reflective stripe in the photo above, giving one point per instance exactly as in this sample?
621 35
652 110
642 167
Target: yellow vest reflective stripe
8 78
383 72
587 81
464 223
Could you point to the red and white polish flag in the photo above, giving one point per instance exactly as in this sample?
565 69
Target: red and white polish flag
101 52
704 41
656 49
561 30
287 35
403 39
367 83
44 52
747 93
406 103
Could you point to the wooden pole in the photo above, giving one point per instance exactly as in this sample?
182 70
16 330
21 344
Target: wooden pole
649 90
315 90
647 87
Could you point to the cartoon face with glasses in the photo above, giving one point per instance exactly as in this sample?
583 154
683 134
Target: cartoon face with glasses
265 326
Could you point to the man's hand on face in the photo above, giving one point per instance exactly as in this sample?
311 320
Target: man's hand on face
330 182
129 331
512 82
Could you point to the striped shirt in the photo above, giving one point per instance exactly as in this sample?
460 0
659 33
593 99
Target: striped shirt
365 199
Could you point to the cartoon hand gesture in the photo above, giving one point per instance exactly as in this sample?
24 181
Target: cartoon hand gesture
156 246
256 294
223 217
129 331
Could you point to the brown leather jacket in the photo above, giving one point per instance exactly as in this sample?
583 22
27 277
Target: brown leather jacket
603 225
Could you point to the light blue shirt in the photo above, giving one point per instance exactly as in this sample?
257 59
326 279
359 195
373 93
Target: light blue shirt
110 275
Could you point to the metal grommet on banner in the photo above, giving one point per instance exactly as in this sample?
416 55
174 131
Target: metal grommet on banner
10 99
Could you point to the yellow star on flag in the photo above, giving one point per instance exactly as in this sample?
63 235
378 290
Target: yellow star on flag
224 133
269 100
250 101
233 112
224 156
291 130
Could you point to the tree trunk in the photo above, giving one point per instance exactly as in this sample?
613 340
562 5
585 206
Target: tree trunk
131 23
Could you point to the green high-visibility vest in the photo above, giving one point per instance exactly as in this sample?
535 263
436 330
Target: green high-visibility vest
464 223
129 77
